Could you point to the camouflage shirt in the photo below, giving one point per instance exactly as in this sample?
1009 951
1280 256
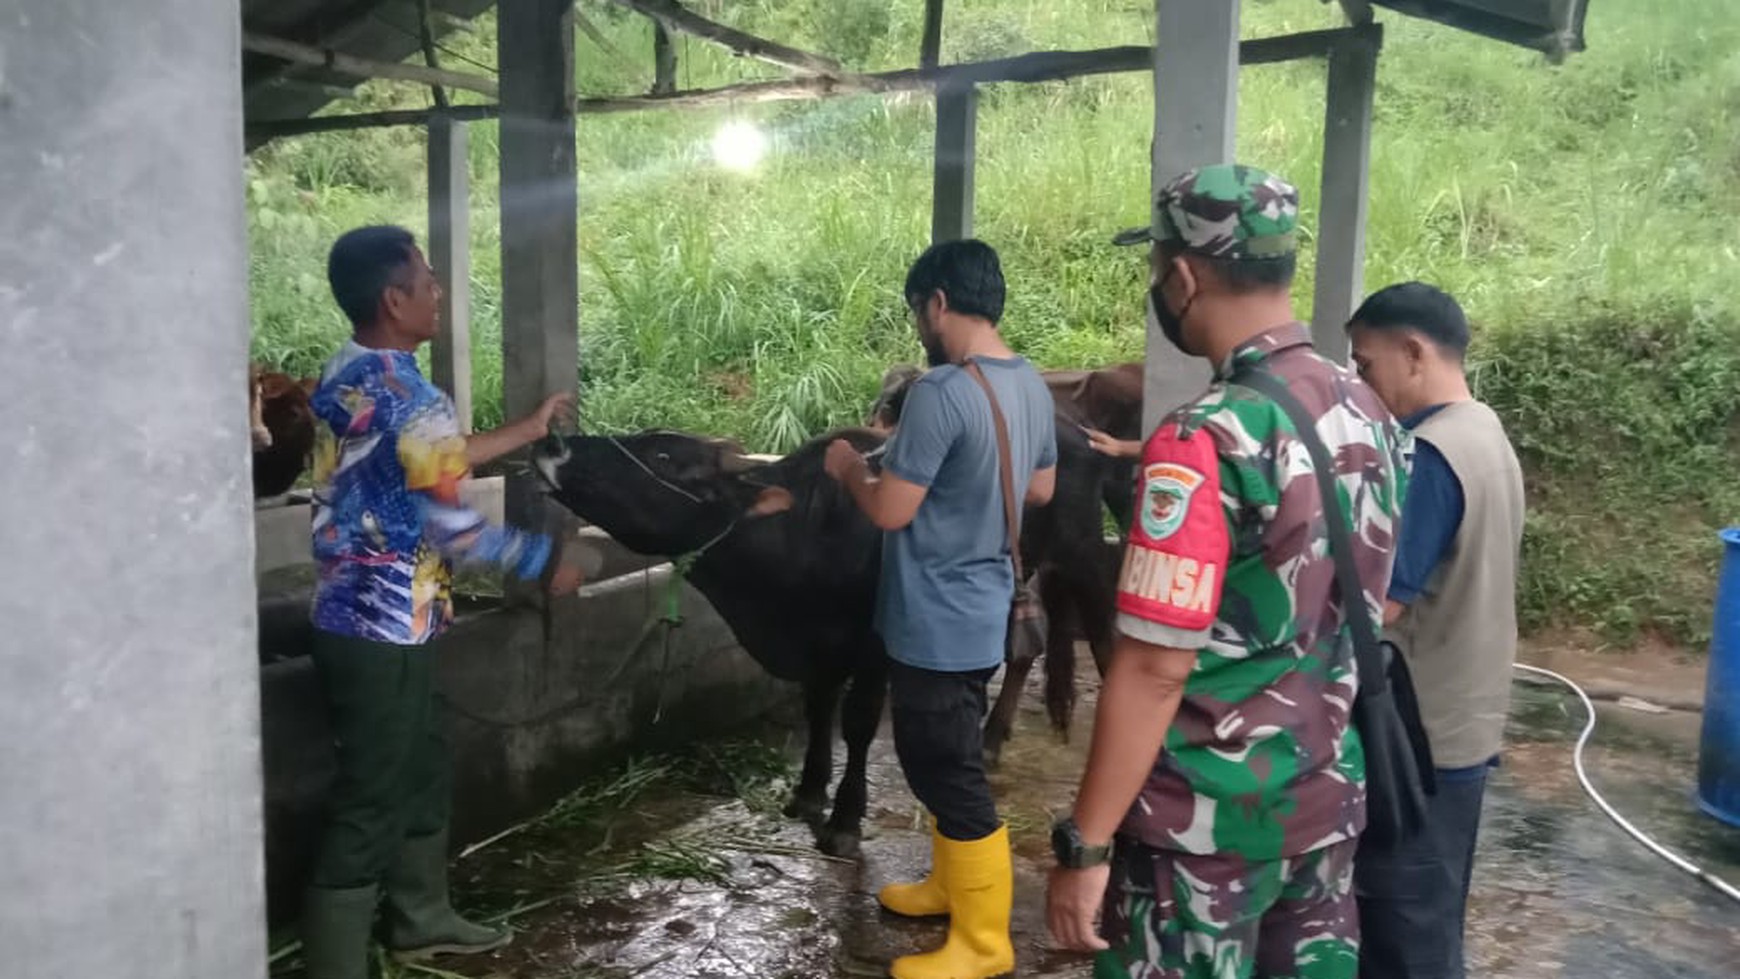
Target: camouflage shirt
1261 760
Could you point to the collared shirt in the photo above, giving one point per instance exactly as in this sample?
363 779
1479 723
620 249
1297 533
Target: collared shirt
388 520
1229 555
1431 515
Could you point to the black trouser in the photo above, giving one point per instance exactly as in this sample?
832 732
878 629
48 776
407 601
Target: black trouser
393 778
937 736
1413 898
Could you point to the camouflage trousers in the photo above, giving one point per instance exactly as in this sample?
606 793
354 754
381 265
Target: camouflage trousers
1171 915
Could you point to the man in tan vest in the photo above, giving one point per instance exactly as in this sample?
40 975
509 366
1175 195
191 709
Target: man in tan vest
1451 612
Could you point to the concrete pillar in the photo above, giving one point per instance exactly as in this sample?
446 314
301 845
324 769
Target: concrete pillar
1342 202
450 254
540 303
130 821
1196 90
957 116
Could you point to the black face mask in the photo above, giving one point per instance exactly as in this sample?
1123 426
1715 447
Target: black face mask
1171 324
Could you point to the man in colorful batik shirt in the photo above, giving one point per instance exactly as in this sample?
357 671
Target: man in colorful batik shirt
388 525
1223 759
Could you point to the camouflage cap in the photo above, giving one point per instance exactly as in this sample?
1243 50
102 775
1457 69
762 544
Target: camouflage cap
1223 211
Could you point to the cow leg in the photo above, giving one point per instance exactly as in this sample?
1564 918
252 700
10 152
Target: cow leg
859 719
1096 599
809 801
1064 614
1001 723
1000 726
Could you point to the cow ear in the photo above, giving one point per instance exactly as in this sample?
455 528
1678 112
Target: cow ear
772 500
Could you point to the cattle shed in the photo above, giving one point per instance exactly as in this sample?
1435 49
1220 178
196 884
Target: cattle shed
145 673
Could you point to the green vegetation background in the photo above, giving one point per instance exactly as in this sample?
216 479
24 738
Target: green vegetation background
1585 214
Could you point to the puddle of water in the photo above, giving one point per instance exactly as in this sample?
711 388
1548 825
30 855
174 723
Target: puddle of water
1559 891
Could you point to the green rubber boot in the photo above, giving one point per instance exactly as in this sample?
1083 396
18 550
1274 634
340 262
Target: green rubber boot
335 931
421 923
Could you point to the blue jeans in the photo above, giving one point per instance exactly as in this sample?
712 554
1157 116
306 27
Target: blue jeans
1413 898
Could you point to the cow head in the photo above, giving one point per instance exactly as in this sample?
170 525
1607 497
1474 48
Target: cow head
658 492
896 382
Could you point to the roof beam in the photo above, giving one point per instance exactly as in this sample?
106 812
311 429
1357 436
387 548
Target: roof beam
1043 66
1036 67
364 67
597 37
783 90
309 86
675 17
426 37
259 132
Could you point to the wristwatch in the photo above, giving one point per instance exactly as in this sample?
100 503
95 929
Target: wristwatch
1071 852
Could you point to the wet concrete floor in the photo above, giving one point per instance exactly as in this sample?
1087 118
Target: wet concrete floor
703 882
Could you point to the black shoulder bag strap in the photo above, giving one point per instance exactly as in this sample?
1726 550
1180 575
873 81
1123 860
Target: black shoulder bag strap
1365 640
1025 639
1399 773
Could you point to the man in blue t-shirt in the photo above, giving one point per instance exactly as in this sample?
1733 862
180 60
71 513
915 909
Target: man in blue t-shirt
942 605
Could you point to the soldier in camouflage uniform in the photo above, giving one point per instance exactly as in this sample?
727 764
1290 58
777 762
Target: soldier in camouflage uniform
1234 845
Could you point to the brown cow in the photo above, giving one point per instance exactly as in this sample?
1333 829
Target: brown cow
283 425
257 430
1108 399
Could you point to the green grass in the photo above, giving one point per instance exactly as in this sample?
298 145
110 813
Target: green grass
1582 213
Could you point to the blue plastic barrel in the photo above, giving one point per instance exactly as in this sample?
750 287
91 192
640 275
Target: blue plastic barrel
1719 746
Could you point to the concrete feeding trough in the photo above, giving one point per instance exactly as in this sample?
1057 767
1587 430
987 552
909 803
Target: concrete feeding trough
533 695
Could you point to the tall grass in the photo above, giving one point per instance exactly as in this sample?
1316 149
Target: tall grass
1582 213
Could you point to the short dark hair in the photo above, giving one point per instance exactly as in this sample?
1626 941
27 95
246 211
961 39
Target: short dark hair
967 271
1243 276
1424 309
363 263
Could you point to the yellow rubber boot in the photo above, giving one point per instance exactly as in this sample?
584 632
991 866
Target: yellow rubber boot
927 897
981 891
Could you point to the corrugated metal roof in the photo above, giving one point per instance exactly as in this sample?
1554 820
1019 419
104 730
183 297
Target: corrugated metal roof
381 30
